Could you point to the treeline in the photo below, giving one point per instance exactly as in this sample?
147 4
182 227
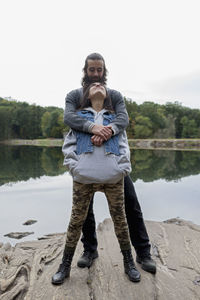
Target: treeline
147 120
172 120
24 121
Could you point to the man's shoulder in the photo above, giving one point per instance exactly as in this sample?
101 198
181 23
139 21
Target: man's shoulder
76 92
114 94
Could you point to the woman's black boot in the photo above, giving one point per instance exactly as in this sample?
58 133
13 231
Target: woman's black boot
64 268
129 266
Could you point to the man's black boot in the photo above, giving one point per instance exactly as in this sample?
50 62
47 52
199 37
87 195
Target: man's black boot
147 263
64 268
129 266
87 258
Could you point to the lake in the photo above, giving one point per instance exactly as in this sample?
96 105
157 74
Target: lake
35 185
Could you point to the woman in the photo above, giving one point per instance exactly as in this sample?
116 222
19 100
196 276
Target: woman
96 169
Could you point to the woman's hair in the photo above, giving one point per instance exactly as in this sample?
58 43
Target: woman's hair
85 101
94 56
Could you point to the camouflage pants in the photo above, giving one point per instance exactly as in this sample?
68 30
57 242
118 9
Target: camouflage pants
82 194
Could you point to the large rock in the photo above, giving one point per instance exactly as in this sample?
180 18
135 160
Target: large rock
26 269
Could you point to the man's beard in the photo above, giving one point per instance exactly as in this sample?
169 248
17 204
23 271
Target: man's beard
92 79
87 80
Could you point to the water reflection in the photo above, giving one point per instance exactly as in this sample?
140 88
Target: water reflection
48 200
166 183
150 165
24 162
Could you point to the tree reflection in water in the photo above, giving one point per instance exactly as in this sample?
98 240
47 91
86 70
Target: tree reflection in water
23 162
150 165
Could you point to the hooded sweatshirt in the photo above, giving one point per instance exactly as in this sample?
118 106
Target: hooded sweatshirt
98 165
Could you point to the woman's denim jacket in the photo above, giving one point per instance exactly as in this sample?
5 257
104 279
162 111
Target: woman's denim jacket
84 143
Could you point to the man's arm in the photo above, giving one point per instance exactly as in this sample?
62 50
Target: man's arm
74 121
71 118
121 121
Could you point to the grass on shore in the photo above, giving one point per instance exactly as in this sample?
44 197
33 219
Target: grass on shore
169 144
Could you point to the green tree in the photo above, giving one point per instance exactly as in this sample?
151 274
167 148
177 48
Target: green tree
52 123
56 131
143 127
190 129
46 124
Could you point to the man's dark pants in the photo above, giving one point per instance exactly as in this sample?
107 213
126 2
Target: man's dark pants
137 229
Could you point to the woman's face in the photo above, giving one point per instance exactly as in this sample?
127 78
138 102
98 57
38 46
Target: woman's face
97 89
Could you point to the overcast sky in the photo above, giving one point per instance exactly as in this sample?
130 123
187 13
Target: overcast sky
151 48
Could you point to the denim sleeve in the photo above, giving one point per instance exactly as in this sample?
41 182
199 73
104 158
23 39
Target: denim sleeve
121 121
71 118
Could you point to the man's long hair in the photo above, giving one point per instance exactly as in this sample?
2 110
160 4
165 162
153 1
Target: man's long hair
85 80
85 101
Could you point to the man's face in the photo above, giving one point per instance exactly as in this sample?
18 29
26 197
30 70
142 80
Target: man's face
95 70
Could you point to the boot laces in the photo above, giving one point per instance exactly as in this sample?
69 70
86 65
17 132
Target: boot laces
86 253
66 262
129 260
130 264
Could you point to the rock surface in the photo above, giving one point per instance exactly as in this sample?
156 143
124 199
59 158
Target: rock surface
26 269
29 222
18 235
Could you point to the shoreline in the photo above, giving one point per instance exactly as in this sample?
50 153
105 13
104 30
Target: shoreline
19 235
37 142
26 269
151 144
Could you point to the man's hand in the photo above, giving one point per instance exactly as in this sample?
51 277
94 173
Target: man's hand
105 132
97 140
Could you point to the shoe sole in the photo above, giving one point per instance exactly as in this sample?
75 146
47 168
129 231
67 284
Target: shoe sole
133 280
59 282
80 265
152 271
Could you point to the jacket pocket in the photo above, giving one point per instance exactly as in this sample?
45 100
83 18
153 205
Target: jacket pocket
124 164
101 170
78 164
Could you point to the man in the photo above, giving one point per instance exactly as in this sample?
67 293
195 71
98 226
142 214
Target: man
95 71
